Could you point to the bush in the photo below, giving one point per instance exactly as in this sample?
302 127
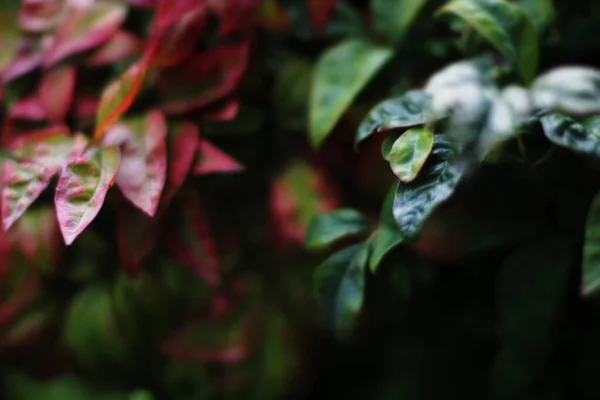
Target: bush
182 179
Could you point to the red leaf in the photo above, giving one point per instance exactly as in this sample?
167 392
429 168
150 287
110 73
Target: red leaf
143 169
143 3
168 15
322 12
37 16
118 96
178 41
37 236
226 112
43 155
82 188
86 28
183 142
56 92
190 240
236 15
204 78
211 160
28 108
29 57
122 46
137 236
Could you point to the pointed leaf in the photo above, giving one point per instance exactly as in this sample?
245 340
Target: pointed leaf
82 188
405 111
143 168
204 78
566 132
339 78
387 236
328 228
590 281
44 154
28 108
29 56
211 160
415 201
226 112
86 28
339 287
119 95
183 140
393 18
409 153
56 92
189 238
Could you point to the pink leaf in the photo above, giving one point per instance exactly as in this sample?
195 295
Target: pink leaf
189 238
82 188
143 169
183 142
225 112
122 46
211 160
56 92
28 108
43 155
137 236
28 57
86 28
204 79
37 16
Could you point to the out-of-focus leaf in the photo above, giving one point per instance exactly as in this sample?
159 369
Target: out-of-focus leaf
57 91
91 330
28 108
415 201
409 153
118 96
143 168
183 143
204 78
541 12
572 90
566 132
37 17
211 160
394 18
340 74
43 154
137 237
529 290
9 38
82 188
506 26
37 236
226 112
339 287
321 12
235 15
327 229
224 340
29 56
590 281
189 238
387 236
405 111
86 28
121 46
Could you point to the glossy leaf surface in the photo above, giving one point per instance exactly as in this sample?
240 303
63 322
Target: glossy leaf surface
409 153
326 229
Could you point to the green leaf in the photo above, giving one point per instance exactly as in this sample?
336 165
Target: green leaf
409 153
415 201
339 287
506 26
566 132
530 288
590 280
340 75
393 18
387 236
326 229
541 12
405 111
